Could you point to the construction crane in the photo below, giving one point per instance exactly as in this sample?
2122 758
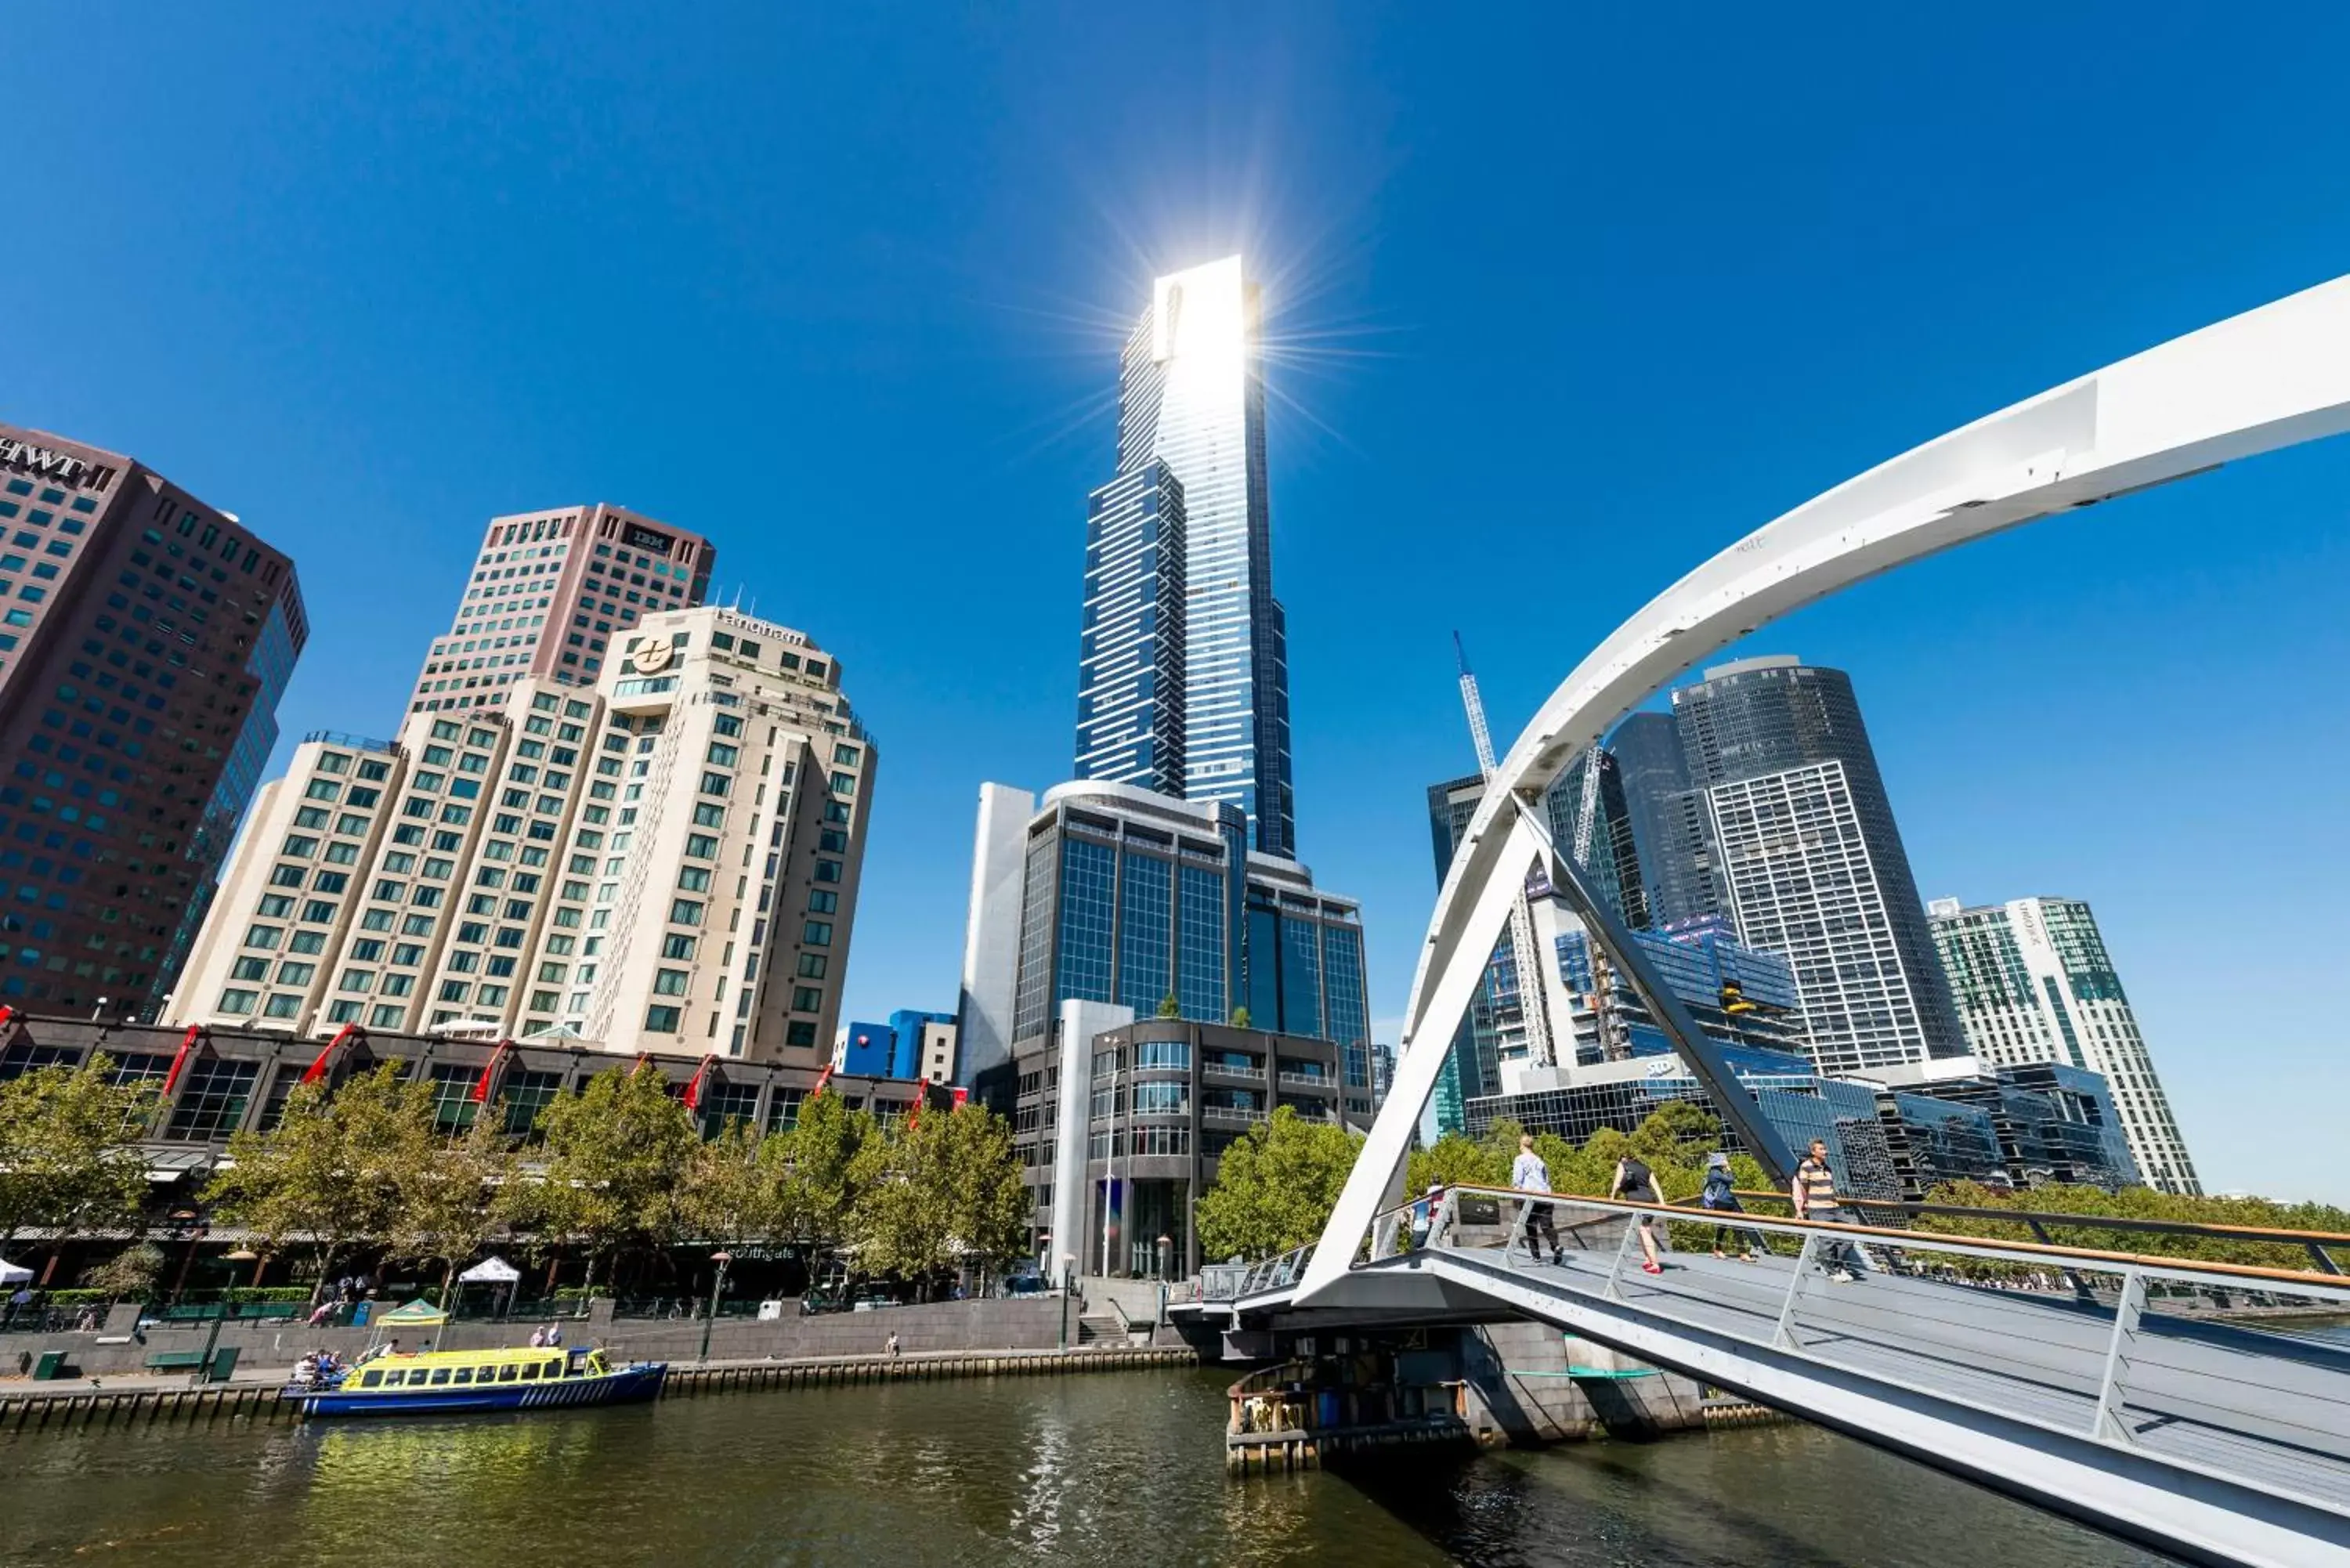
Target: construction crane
1531 989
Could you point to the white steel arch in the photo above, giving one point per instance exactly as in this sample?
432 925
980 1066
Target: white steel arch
2273 377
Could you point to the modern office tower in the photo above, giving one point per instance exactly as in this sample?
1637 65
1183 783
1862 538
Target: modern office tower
1492 1027
1742 998
1131 899
144 642
549 593
1812 861
667 861
1130 698
1191 397
2035 983
1667 820
1586 811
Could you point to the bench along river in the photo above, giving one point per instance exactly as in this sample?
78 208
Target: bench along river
1113 1469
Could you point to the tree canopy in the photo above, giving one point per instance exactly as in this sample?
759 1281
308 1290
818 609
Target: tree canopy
70 1162
1276 1186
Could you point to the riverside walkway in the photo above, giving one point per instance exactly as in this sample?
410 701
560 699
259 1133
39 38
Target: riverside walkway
2123 1399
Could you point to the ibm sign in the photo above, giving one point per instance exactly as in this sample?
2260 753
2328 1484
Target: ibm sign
43 460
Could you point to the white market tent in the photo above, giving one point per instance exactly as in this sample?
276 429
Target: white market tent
10 1274
490 1271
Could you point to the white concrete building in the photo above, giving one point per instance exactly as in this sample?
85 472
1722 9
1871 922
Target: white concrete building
668 861
2033 983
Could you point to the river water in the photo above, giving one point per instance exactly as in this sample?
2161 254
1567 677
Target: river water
1122 1469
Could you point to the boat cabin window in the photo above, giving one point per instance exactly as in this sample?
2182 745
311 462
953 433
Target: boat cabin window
416 1378
530 1372
439 1375
464 1374
555 1369
371 1379
507 1373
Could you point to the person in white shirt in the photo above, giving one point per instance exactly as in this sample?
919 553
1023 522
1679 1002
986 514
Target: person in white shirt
1529 1174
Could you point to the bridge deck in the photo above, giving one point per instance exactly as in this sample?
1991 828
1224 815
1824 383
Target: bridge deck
2200 1391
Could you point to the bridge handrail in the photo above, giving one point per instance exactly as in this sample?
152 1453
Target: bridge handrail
2300 1281
2315 1242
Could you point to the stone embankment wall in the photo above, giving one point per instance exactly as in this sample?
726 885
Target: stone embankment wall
1011 1323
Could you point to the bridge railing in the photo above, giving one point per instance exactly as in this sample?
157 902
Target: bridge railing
2122 1344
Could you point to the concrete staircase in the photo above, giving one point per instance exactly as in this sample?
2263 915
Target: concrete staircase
1101 1328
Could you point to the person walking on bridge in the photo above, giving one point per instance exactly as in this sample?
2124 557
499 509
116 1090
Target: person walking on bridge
1529 1174
1814 1194
1635 1183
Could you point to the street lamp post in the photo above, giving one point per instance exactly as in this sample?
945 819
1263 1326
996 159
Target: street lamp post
717 1285
203 1371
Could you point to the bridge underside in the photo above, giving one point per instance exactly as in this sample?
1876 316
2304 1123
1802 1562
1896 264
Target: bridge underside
2001 1388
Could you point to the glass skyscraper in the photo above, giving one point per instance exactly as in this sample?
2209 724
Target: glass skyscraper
1191 399
2034 984
1808 853
1130 704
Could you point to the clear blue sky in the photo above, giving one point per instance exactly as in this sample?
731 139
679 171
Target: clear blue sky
1587 292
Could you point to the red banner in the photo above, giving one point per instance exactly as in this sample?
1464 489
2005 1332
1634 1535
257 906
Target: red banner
693 1088
482 1084
325 1063
180 1058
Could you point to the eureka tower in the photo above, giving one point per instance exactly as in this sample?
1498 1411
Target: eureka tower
1183 682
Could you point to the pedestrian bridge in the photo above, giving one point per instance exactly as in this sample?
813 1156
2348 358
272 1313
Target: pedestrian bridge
2195 1407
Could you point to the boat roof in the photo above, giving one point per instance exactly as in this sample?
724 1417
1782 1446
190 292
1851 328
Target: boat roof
476 1358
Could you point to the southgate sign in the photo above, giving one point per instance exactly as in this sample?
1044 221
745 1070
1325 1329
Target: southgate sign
63 467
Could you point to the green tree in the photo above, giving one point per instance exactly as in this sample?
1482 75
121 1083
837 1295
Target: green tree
130 1275
70 1160
1168 1007
733 1190
941 1193
1456 1159
452 1199
1276 1186
335 1172
823 1177
614 1157
1241 1017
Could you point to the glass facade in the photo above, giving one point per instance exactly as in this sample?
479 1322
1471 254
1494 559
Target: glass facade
1130 672
1131 899
2035 987
1811 859
1191 397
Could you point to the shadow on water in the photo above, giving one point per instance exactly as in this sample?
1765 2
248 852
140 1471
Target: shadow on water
1730 1499
1117 1469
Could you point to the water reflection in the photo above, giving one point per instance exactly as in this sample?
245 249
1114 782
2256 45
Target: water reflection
1120 1471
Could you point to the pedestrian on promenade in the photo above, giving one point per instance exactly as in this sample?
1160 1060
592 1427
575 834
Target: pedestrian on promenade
1529 1174
1722 1197
893 1344
538 1339
1635 1183
1423 1215
1814 1194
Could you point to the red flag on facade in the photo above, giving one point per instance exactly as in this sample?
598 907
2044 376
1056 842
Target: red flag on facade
693 1085
961 1098
821 1080
642 1059
325 1062
180 1057
482 1084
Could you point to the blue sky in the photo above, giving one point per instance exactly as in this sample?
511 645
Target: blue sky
1568 298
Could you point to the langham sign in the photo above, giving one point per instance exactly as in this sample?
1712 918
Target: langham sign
47 461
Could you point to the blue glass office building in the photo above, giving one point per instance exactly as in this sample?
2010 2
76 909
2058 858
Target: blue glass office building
1159 906
1191 399
1130 671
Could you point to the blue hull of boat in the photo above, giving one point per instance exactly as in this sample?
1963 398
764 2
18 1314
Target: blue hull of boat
629 1384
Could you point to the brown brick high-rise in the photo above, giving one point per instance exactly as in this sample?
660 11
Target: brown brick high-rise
145 639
